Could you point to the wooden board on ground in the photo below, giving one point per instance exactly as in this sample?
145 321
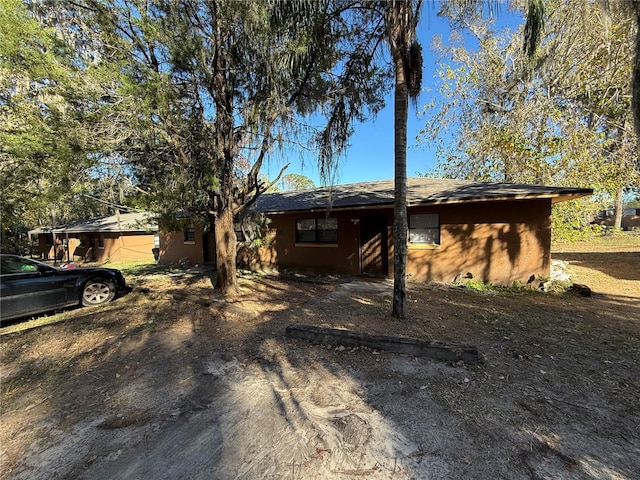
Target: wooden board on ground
395 344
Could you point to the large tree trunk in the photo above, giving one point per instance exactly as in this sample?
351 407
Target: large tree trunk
401 108
618 209
226 245
635 85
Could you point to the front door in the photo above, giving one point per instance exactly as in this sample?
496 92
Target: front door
374 249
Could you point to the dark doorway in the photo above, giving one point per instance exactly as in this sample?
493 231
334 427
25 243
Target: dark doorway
374 247
208 247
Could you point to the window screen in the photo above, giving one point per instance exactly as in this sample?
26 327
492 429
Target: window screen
424 228
317 230
190 234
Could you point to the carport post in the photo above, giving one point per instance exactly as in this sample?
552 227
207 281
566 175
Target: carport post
54 236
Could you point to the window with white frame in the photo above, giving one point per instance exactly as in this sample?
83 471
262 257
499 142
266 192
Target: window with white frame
424 229
317 230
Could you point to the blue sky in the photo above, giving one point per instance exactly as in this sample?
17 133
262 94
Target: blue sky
370 156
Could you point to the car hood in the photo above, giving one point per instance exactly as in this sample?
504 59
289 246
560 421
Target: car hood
110 271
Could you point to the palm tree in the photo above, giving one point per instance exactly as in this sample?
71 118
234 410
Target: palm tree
401 19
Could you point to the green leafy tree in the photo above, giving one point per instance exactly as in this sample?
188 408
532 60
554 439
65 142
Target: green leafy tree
620 10
49 97
295 181
631 9
211 84
568 121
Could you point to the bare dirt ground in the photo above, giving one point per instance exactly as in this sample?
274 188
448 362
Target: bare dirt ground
173 382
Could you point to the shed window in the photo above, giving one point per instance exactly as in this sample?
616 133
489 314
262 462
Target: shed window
317 230
101 241
424 228
189 235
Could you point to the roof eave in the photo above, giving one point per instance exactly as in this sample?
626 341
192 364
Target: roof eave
564 197
561 196
76 231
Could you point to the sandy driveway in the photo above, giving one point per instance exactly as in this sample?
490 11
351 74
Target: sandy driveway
169 384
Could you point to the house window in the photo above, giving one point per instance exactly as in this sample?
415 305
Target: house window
317 230
424 228
189 235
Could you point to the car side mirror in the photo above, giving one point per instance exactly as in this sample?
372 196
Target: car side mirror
43 269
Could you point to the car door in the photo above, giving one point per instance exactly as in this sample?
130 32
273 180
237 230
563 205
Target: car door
28 287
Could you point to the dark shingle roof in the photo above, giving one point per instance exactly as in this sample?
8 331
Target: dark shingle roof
124 222
420 191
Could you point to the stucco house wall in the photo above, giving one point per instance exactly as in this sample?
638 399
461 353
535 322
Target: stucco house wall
500 233
282 252
174 247
124 247
116 238
50 249
116 247
498 242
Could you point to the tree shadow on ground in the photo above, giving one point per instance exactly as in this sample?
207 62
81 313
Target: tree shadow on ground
167 388
619 265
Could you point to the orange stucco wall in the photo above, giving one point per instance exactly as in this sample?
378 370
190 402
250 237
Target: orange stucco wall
498 242
51 248
47 249
117 247
173 247
125 247
283 253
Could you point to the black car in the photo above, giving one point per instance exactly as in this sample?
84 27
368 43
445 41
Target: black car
28 287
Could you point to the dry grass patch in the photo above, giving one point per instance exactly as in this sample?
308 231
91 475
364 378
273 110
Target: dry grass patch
110 392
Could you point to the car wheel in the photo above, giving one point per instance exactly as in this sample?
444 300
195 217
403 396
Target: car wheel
98 291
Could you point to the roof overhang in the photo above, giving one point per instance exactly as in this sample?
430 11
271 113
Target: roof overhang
121 223
320 200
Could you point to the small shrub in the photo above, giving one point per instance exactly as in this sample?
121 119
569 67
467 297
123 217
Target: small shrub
613 232
518 287
478 285
556 286
185 262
